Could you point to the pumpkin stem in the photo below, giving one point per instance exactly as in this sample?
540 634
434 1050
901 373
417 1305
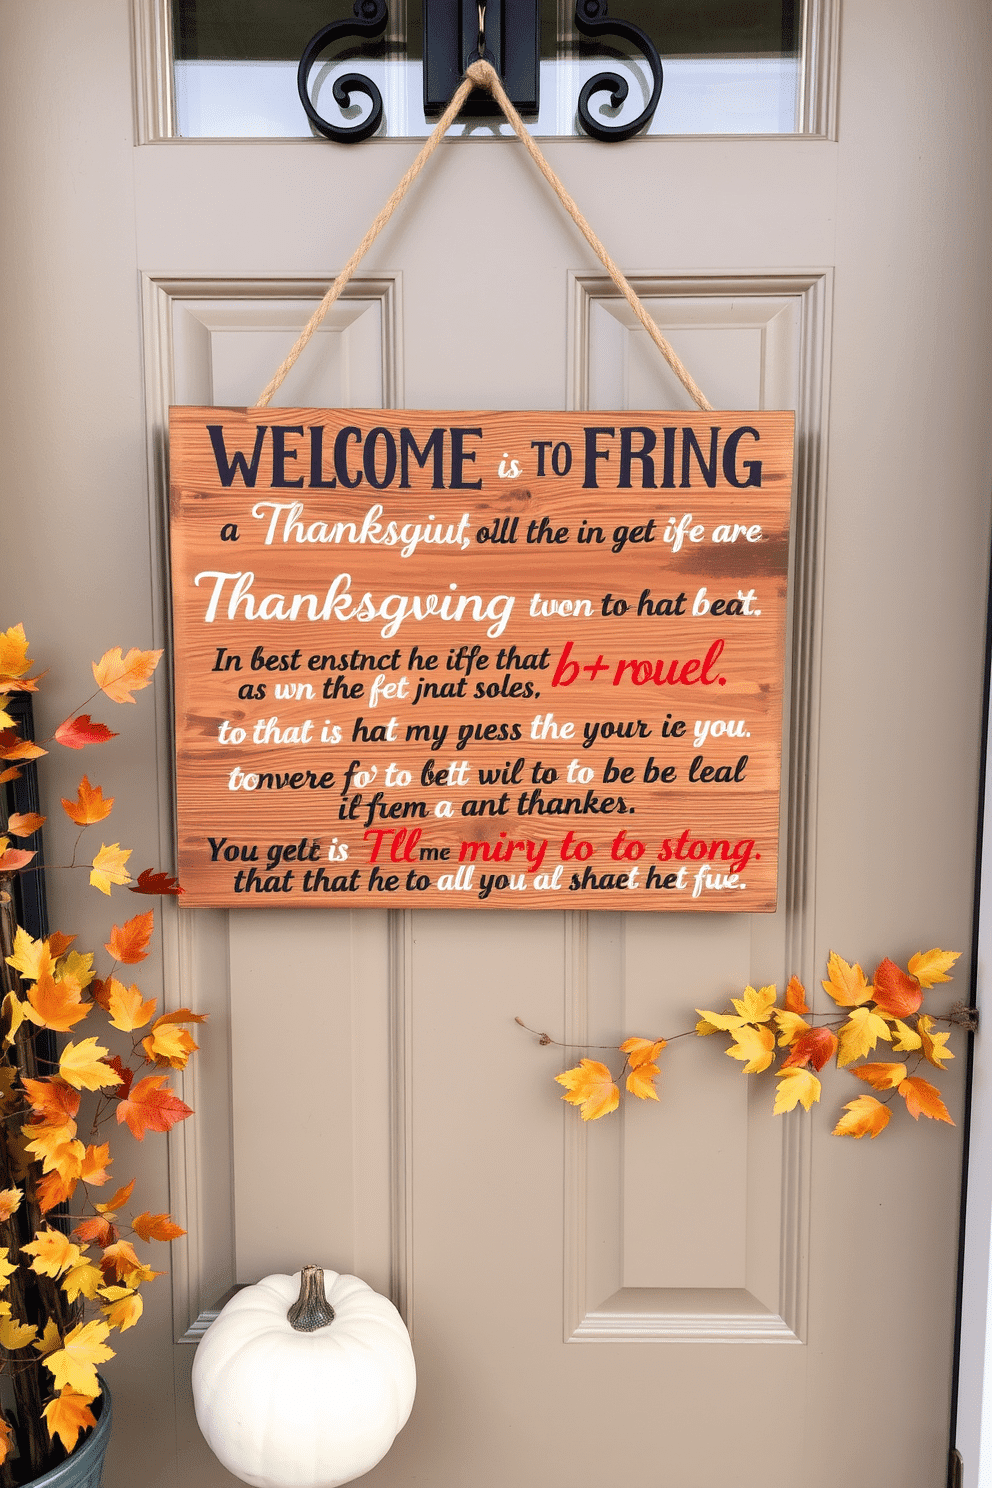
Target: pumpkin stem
311 1310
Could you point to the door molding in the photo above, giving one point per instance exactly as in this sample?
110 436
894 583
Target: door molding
597 1306
195 948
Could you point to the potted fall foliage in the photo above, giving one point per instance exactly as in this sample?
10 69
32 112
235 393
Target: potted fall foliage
85 1067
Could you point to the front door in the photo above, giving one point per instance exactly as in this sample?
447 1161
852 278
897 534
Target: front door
696 1294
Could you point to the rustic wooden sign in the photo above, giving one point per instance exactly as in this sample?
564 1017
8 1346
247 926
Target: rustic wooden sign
516 660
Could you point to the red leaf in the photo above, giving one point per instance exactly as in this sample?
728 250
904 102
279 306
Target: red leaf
126 1073
75 733
814 1047
896 992
14 858
150 882
100 1230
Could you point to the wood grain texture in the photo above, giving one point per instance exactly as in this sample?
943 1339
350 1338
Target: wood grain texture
376 613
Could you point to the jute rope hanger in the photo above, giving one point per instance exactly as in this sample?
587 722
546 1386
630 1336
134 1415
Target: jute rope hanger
482 74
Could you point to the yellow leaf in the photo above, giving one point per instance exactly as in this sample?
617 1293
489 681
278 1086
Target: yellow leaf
861 1033
794 1086
930 967
67 1415
108 867
790 1026
907 1041
755 1007
168 1044
866 1118
31 957
83 1280
47 1138
755 1045
75 1363
10 1198
14 661
53 1252
15 1335
590 1087
77 968
848 985
119 675
17 1011
126 1007
934 1044
124 1307
82 1067
725 1022
6 1269
50 1339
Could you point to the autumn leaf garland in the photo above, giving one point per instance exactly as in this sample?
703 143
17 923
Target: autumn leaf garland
758 1025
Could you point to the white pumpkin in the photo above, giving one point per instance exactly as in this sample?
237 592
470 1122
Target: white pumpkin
307 1402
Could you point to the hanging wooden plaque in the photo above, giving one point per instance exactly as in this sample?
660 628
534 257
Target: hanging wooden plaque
497 660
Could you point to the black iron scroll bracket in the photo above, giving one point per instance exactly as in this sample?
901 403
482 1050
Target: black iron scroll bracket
371 20
456 33
592 20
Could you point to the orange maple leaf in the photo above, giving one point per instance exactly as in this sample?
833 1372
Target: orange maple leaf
90 804
58 943
923 1099
147 1107
51 1098
57 1003
896 992
76 733
121 1261
99 1230
12 858
641 1054
866 1118
96 1161
814 1047
589 1085
118 676
129 942
13 747
54 1189
126 1007
10 1199
67 1415
155 1227
25 823
117 1200
6 1439
882 1076
795 996
13 773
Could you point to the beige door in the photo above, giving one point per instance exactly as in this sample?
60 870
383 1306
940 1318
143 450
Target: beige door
698 1294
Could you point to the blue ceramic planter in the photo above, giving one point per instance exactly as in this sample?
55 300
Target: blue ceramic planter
83 1467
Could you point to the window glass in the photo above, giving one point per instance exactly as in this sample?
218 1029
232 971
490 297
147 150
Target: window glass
731 67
